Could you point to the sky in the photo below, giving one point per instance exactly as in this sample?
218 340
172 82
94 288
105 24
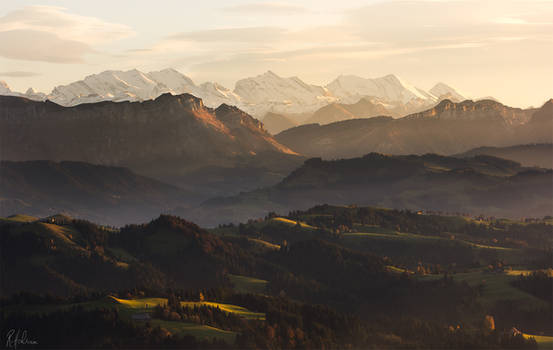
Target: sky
498 48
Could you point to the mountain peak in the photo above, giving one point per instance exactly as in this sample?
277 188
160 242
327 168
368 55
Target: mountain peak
442 90
270 73
225 108
393 78
4 88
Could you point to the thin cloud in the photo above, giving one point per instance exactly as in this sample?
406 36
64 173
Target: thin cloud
268 8
68 26
51 34
35 45
519 21
247 34
19 74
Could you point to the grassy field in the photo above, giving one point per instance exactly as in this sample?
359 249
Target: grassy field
397 270
245 284
196 330
121 254
293 222
389 243
527 272
497 287
20 218
133 306
392 235
544 342
144 304
265 244
233 309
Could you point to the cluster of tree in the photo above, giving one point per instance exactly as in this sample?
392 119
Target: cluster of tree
538 283
295 325
193 254
510 233
93 235
204 315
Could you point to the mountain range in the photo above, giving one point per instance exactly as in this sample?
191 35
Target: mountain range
257 95
448 128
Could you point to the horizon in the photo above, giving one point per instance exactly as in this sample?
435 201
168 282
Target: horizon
502 50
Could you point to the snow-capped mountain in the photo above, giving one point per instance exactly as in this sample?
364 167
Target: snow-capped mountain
350 88
132 85
4 88
257 95
31 93
271 93
443 91
215 94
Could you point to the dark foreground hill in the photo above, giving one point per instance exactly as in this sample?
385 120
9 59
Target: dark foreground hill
448 128
481 184
327 279
175 139
109 195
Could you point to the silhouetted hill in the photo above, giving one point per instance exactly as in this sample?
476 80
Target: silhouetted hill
335 112
448 128
275 123
110 195
481 184
539 155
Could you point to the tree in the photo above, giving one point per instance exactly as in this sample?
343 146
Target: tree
489 323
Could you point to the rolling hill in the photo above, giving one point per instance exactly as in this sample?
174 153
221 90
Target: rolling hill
105 194
482 184
532 155
335 112
275 123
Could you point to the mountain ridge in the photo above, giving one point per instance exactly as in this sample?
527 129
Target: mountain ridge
448 128
167 138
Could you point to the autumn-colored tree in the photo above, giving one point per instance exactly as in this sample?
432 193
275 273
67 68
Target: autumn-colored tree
489 323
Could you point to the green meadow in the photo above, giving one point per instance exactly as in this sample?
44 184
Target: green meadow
245 284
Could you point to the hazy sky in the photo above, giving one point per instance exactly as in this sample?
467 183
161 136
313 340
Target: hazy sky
499 48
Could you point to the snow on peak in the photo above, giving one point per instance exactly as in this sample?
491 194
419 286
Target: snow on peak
443 91
31 93
4 88
131 85
215 95
350 88
271 93
267 92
